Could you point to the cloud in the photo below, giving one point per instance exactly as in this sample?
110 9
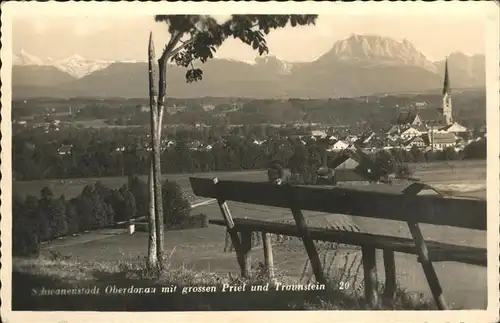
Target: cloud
123 37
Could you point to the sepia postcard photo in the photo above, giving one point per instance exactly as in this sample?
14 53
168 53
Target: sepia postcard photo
235 162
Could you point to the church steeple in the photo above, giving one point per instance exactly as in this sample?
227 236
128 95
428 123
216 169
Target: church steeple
446 84
446 107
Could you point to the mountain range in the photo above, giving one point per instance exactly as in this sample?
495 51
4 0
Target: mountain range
356 66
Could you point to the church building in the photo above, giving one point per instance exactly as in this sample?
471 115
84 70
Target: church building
436 117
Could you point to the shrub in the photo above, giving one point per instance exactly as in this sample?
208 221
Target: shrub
130 211
275 171
176 206
83 208
195 221
97 212
309 174
403 171
118 205
52 217
40 211
58 224
140 191
476 150
386 162
109 214
105 193
305 175
46 193
105 197
123 204
25 240
72 216
448 153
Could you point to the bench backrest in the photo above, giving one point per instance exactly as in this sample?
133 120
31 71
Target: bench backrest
381 201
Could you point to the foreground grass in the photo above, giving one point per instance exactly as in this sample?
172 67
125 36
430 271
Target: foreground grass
35 274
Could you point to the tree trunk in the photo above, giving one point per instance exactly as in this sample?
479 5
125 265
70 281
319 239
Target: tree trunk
152 248
152 242
162 84
158 191
157 153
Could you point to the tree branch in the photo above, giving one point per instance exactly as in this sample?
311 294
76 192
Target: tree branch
171 44
181 47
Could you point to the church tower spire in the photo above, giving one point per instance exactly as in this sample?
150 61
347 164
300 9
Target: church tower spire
447 107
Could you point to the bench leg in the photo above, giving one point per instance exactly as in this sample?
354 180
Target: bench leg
390 277
235 239
246 247
370 275
312 252
268 255
430 273
228 245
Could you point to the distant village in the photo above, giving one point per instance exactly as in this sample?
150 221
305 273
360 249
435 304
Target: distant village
418 126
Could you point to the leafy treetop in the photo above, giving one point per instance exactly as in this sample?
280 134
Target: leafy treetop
205 35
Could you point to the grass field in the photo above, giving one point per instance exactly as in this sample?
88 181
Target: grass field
63 275
465 172
73 187
202 249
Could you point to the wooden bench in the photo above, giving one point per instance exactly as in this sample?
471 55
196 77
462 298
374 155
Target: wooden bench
382 201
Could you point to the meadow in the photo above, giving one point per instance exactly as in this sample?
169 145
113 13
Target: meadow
442 172
202 249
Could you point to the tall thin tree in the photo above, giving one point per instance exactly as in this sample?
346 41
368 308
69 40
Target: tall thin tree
152 243
196 38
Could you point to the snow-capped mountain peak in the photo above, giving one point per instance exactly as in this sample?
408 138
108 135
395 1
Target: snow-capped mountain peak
75 65
74 57
78 66
271 61
25 58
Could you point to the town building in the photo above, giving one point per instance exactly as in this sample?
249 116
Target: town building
65 150
317 134
338 146
440 141
417 142
454 128
413 131
352 165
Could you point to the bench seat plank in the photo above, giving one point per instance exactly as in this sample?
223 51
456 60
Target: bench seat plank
438 251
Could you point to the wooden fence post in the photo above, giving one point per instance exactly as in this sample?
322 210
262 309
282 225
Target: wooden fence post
268 254
306 238
235 239
370 275
390 277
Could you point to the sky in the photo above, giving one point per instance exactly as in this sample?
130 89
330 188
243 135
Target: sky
126 37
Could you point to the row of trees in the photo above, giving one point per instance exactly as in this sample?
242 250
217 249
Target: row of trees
46 218
94 156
